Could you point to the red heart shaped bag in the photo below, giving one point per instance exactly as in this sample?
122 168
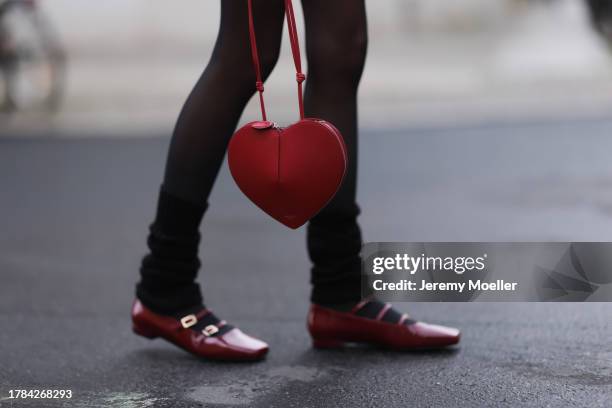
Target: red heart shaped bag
290 173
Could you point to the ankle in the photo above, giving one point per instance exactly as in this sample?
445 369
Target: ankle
339 307
371 309
169 302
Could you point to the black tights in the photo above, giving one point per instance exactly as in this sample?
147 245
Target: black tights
336 40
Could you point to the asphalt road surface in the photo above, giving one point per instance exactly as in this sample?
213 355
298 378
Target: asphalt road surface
73 221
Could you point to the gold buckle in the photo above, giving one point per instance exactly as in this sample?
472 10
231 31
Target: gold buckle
210 330
189 321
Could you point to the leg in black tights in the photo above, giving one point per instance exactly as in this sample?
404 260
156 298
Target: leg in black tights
196 152
336 42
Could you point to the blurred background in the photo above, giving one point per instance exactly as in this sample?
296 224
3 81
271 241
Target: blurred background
131 63
481 120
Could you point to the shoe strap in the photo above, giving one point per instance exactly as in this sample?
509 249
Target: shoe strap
383 311
192 319
361 304
380 312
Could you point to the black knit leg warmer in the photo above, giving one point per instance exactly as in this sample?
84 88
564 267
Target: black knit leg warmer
334 245
169 270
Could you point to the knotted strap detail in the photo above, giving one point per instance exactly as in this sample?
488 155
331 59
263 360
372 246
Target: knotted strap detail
295 51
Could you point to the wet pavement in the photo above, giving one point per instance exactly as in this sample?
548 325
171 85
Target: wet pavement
74 217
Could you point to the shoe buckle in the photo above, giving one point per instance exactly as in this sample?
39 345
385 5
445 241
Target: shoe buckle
210 330
188 321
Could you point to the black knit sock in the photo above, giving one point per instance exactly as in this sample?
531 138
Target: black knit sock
168 271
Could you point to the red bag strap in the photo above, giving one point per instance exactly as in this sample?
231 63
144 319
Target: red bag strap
255 56
295 50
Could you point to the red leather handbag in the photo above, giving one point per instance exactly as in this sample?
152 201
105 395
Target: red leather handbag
290 173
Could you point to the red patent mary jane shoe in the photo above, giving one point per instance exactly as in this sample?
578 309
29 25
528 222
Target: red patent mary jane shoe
200 333
331 329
